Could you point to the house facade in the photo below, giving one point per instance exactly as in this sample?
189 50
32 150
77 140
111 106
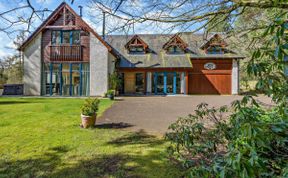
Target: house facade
66 57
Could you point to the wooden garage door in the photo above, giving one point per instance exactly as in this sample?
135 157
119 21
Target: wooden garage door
217 81
209 84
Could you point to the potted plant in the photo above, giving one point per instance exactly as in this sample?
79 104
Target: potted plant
111 94
89 112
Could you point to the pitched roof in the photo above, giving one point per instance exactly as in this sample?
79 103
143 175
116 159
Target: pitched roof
157 57
217 37
51 17
136 40
175 41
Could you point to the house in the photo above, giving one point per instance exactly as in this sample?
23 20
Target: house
66 57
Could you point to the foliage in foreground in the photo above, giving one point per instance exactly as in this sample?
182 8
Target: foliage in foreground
254 141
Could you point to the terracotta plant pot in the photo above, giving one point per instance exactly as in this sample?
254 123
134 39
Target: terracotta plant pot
88 121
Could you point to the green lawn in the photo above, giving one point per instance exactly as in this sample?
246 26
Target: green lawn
41 137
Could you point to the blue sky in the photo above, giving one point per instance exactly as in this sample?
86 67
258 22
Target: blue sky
90 16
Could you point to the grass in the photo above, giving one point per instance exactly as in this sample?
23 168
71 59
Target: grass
41 137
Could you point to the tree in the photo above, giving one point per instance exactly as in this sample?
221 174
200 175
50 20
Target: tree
20 16
183 13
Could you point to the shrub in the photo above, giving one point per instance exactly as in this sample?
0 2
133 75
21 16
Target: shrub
254 143
114 81
110 92
90 106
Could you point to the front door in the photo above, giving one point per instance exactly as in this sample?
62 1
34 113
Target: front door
165 83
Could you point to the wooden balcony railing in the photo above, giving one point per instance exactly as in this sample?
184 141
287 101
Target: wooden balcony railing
66 53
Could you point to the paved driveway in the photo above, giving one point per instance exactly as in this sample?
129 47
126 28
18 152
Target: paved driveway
155 114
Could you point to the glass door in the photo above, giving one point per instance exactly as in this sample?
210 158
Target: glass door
166 83
159 83
170 83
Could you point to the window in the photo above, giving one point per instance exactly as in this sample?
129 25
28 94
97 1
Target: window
175 50
65 79
136 50
139 83
56 37
136 46
215 50
66 37
76 37
215 45
175 45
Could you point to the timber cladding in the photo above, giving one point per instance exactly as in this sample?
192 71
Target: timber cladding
58 24
213 81
129 82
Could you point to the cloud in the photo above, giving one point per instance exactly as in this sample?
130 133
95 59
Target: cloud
43 1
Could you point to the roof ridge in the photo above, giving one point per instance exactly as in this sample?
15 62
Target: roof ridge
154 34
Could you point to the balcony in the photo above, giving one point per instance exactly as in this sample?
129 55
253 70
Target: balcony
66 53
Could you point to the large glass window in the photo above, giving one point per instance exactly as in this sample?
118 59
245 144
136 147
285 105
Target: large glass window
52 79
56 37
66 79
76 37
160 83
84 80
178 83
65 37
166 83
170 82
122 86
139 83
75 81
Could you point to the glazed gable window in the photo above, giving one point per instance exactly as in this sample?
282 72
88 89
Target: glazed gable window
215 45
175 45
60 37
136 46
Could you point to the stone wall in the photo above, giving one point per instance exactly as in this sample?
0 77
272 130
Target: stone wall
235 77
32 67
98 67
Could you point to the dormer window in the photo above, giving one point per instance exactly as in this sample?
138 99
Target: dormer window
215 45
215 50
136 49
175 45
136 46
175 50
